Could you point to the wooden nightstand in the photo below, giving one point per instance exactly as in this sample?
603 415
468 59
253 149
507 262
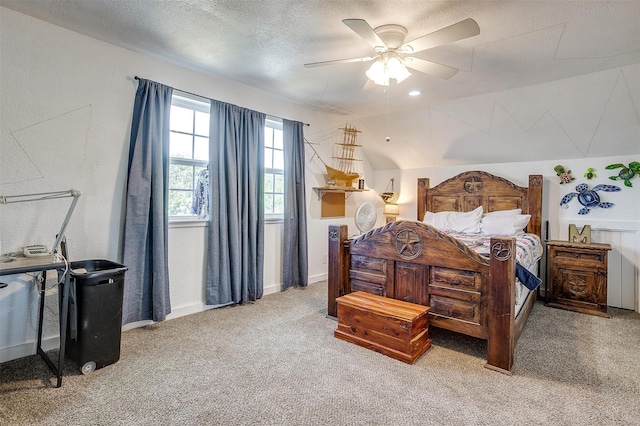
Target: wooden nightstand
578 276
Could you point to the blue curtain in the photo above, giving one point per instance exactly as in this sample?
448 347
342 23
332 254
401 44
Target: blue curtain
236 230
295 261
146 290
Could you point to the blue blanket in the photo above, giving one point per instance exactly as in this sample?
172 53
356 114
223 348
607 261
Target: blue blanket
529 280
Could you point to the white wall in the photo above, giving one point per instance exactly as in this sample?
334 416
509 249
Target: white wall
65 117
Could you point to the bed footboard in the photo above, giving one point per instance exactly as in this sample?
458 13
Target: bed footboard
467 293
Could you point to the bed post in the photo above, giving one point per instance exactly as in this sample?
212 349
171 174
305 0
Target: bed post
423 186
338 266
501 317
534 198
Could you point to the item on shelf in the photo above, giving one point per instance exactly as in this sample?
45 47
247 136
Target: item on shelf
346 157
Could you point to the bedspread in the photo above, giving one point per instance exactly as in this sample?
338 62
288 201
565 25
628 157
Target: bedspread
528 252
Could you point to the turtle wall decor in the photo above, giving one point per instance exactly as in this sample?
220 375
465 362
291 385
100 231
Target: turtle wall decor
626 173
589 198
590 173
565 175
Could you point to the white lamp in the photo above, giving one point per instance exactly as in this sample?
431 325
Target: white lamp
391 210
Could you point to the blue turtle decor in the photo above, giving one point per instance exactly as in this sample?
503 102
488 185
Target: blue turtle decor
626 173
589 198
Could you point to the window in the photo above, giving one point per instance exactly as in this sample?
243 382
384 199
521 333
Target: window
188 152
273 169
189 158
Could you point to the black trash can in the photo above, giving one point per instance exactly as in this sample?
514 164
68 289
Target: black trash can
95 313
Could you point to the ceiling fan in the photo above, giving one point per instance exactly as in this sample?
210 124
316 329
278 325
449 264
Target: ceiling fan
393 55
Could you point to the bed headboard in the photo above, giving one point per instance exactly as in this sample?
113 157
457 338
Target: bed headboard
469 190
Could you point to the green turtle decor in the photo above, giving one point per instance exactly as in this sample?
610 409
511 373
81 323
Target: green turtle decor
590 173
626 173
565 176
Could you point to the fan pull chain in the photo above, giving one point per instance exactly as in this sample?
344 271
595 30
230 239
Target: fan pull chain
388 138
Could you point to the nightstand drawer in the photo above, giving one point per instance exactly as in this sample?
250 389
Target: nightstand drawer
585 256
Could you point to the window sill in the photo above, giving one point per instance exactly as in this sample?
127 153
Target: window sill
273 219
202 223
188 223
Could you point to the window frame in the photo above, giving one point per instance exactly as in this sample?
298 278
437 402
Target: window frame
195 103
274 123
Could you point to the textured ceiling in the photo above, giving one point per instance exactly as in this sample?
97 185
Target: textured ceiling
264 44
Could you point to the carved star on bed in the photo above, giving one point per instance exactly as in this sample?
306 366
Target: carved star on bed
473 184
408 244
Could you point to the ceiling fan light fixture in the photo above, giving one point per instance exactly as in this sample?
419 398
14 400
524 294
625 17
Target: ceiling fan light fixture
382 70
377 73
397 70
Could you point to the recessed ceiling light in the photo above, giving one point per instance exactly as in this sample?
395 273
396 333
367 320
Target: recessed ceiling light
414 93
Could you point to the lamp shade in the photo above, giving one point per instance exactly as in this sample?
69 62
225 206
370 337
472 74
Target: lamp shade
377 74
389 197
391 209
397 70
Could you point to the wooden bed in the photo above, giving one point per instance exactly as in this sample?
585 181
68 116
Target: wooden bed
409 260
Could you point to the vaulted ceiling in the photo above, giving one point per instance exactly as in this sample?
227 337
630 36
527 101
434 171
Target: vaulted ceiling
511 90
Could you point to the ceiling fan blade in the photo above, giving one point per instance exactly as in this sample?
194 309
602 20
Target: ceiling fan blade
432 68
339 61
455 32
364 30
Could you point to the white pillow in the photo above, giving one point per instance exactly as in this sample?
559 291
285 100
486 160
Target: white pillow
466 222
504 225
504 213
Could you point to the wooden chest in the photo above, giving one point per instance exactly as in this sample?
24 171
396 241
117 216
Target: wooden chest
392 327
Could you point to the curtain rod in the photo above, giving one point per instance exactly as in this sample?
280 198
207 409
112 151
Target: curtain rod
204 97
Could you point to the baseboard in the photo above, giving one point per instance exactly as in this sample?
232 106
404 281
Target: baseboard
271 289
317 278
184 310
28 348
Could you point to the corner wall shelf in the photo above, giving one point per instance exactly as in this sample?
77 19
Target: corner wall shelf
336 189
332 199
